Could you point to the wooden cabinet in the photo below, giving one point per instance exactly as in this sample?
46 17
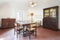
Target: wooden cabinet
8 23
50 18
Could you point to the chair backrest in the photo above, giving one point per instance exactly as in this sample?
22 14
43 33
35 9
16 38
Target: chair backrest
33 25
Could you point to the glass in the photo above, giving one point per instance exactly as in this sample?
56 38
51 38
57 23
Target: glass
52 12
46 13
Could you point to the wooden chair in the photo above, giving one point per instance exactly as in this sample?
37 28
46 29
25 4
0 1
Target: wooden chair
18 28
32 29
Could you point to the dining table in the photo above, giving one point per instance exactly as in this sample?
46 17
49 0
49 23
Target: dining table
26 25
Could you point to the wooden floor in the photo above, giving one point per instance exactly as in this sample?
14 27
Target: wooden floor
42 34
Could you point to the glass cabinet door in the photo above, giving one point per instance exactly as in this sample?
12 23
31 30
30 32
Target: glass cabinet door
46 13
53 12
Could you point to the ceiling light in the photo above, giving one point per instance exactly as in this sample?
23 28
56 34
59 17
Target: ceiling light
32 4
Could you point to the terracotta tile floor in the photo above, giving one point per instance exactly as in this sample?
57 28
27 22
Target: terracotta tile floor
42 34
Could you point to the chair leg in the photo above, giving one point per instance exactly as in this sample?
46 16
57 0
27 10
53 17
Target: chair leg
17 33
29 36
35 33
14 31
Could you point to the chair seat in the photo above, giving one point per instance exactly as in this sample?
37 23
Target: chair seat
30 29
18 29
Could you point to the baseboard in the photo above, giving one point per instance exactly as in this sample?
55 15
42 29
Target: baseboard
59 29
40 26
